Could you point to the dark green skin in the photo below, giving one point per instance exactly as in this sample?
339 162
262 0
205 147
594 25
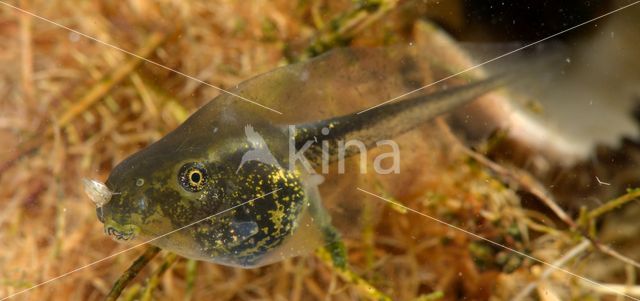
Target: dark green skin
151 200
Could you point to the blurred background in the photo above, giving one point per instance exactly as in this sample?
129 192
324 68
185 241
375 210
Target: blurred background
72 107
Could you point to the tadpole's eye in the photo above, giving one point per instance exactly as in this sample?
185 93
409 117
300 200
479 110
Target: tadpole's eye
192 177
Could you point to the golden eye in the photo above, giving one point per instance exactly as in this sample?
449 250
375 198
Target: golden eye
195 177
192 177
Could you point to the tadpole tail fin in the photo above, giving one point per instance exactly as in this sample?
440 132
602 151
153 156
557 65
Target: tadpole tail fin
527 72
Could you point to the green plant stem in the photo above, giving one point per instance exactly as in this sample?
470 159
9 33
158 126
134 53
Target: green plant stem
338 31
192 268
613 204
132 272
349 276
154 279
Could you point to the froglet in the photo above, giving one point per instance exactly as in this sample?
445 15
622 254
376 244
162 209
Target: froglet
229 166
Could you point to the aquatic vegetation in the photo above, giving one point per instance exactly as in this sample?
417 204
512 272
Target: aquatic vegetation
489 202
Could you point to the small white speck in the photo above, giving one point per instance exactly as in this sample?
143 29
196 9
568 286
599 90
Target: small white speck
568 60
74 37
602 183
142 203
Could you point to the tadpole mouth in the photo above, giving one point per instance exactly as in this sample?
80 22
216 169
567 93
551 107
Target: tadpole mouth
119 235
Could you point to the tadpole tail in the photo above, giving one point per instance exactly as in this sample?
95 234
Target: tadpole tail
389 119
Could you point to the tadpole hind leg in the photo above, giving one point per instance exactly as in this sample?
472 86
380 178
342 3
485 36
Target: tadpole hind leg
334 252
335 246
333 243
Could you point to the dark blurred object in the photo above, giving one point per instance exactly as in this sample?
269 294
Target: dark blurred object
527 20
